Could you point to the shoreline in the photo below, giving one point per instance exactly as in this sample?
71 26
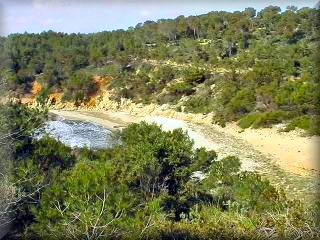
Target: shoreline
289 150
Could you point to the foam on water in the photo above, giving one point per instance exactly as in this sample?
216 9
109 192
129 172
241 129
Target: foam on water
76 133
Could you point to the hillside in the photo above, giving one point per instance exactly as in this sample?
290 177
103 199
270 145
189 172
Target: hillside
257 69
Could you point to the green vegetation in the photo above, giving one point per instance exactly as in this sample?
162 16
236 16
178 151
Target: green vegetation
248 120
265 119
143 187
302 122
199 104
17 123
79 87
231 64
258 69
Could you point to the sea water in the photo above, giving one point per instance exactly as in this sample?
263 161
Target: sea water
76 133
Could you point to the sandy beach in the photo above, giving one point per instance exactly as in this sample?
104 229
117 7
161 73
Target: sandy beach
292 152
115 120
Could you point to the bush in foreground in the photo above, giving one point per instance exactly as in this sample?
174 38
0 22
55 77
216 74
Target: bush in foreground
144 187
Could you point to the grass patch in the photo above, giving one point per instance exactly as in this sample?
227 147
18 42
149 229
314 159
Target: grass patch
248 120
314 126
265 119
302 122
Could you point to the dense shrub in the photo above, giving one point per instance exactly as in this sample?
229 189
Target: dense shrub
181 88
164 74
199 104
194 75
49 154
243 102
79 87
144 187
91 202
